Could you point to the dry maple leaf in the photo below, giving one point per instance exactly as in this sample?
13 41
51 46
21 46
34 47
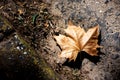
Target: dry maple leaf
76 40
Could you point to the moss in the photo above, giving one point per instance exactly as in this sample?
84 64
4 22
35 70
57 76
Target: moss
6 25
32 59
47 72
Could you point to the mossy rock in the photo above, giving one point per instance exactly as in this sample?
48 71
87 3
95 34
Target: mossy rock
18 60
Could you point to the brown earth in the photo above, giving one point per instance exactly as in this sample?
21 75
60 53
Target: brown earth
37 21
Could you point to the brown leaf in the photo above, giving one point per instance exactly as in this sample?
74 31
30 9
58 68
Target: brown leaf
77 40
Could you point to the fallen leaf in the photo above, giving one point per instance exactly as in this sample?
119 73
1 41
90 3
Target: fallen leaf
76 40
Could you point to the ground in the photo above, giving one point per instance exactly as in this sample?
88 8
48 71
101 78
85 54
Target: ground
27 26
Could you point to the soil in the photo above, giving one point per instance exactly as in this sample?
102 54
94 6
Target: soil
37 21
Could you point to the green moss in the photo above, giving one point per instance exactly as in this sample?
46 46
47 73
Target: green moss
6 25
38 61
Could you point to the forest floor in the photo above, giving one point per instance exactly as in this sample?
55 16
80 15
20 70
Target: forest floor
37 21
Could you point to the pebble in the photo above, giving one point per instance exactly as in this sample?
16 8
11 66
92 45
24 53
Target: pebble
100 11
18 47
117 13
114 56
116 35
21 48
24 52
16 36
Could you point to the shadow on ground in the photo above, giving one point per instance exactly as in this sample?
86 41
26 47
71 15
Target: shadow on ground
78 62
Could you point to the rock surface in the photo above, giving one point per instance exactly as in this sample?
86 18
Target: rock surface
88 13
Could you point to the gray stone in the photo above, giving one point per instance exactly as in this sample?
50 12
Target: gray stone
115 56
